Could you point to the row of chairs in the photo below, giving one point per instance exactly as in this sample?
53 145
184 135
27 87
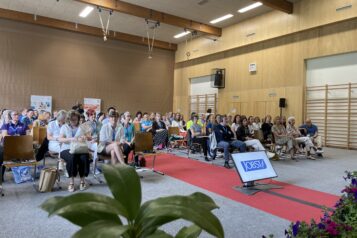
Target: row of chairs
20 151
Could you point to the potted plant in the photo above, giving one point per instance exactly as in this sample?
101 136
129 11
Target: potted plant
123 215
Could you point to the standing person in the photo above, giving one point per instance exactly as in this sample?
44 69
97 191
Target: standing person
198 136
13 128
111 138
129 136
225 139
313 132
295 133
75 163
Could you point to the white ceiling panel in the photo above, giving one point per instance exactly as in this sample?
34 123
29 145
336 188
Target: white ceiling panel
69 10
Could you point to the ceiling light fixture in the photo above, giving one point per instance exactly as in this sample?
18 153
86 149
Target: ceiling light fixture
250 7
182 34
225 17
85 12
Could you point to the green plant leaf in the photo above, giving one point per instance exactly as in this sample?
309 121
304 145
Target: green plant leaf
159 234
125 186
101 229
204 200
160 211
84 208
192 231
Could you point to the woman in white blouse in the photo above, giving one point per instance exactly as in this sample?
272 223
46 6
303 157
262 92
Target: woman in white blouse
176 122
111 139
75 163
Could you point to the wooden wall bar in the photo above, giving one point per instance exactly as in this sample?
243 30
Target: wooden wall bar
281 70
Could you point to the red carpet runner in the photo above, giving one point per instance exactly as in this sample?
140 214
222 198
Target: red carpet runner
220 180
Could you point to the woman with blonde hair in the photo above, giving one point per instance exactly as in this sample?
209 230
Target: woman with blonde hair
282 137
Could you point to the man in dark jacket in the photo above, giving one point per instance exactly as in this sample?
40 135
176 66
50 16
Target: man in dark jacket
225 139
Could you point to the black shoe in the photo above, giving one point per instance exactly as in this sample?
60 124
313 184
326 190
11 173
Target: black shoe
206 158
226 165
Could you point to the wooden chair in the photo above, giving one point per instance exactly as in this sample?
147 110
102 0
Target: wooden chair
144 146
137 127
18 151
176 131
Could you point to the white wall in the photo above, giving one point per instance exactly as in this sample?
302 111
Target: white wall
202 86
337 69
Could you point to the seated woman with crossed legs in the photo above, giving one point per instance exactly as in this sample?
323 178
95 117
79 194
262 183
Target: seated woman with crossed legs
75 163
282 137
296 134
243 134
111 138
196 135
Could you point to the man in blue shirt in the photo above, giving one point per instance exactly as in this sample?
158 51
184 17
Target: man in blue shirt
225 139
28 119
13 128
312 131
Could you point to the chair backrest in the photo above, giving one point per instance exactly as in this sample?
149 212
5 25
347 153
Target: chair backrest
258 134
137 127
35 133
18 147
143 142
42 134
173 131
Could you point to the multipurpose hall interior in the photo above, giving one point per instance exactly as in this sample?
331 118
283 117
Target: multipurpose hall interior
178 118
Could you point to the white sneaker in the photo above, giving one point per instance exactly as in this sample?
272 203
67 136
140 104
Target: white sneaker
83 186
270 155
319 151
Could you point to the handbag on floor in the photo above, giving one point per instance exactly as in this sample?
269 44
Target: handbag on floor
47 180
21 174
77 147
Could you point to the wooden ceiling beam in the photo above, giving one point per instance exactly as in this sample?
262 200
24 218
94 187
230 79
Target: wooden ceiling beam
147 13
281 5
79 28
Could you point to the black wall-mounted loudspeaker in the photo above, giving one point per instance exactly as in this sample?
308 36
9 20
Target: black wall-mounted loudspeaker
218 79
282 102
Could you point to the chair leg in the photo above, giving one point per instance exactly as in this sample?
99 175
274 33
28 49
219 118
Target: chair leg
153 167
1 188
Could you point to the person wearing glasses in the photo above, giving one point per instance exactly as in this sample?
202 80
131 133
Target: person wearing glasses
13 128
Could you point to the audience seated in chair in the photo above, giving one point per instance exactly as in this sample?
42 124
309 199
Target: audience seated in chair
243 134
235 125
146 124
198 135
12 128
225 139
129 136
75 163
42 120
282 138
266 128
295 133
313 132
109 110
111 139
159 132
138 117
176 122
28 119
